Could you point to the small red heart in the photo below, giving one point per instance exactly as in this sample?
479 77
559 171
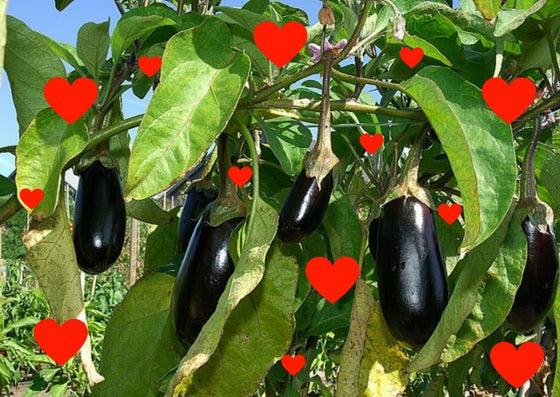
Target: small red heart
31 198
240 176
411 56
293 364
149 66
449 213
332 281
371 143
517 366
509 101
70 101
280 45
60 343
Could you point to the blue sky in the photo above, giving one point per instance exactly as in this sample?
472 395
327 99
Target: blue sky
42 16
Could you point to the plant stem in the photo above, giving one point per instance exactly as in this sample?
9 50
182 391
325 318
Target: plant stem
552 49
409 174
227 188
349 106
528 182
9 208
120 7
255 166
324 129
181 4
550 103
364 80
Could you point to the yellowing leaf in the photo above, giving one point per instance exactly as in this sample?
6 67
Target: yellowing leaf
382 370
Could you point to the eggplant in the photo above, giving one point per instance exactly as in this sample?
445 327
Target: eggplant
99 218
536 293
372 237
192 208
202 277
304 208
412 280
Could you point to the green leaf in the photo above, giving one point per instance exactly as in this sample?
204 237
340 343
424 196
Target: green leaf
138 23
258 6
243 39
3 32
547 169
51 256
488 8
93 44
245 278
201 83
59 390
66 52
160 244
256 335
496 293
479 146
62 4
330 317
148 211
7 186
142 325
343 229
245 18
382 370
556 313
509 20
29 64
473 269
289 140
42 153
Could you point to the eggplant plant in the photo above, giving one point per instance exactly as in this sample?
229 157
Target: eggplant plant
225 305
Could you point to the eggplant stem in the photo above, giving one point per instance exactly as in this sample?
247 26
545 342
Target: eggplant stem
324 130
528 182
227 188
409 175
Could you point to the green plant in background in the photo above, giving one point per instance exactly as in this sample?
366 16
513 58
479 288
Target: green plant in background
219 102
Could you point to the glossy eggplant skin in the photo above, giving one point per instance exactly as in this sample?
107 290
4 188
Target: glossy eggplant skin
411 275
99 218
192 208
202 277
536 293
372 237
304 208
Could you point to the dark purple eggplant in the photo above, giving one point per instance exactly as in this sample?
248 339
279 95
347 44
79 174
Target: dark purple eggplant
412 280
192 208
372 237
99 218
304 208
535 296
202 277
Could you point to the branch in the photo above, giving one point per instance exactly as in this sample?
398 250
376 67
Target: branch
365 80
120 7
9 208
550 103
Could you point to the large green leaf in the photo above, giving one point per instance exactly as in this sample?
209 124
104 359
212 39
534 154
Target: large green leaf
3 32
495 295
201 83
478 143
509 20
42 153
257 334
93 44
547 169
160 244
464 297
148 211
66 52
141 325
139 22
29 64
289 140
247 275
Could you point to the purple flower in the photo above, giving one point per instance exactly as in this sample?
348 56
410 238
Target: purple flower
316 50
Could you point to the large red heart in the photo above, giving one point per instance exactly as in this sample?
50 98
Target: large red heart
70 101
516 366
149 66
240 176
280 45
371 143
332 281
411 56
449 213
31 198
293 364
60 343
509 101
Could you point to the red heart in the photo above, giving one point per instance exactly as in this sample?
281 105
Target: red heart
332 281
516 366
293 364
371 142
60 343
280 45
509 101
240 176
411 56
149 66
449 213
31 198
70 101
